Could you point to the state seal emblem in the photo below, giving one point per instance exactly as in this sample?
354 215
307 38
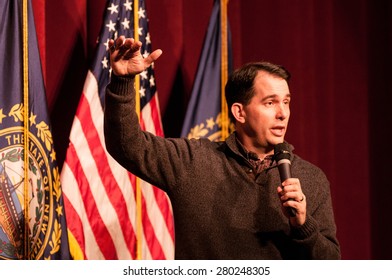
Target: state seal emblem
27 223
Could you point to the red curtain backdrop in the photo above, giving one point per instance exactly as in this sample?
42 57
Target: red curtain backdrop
338 52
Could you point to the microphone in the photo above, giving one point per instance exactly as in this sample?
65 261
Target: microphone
282 156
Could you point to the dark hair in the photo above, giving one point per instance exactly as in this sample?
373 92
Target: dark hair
239 87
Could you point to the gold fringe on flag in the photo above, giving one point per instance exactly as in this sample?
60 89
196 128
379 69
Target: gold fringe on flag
224 68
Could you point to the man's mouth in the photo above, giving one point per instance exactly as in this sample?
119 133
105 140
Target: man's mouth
278 131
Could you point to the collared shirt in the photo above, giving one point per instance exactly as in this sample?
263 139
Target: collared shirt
258 165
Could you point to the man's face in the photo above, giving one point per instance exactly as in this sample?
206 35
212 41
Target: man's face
267 114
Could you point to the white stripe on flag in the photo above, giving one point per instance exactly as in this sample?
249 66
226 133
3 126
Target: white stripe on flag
157 221
73 194
147 119
105 207
120 174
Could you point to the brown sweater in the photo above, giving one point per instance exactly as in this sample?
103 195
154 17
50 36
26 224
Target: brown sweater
219 211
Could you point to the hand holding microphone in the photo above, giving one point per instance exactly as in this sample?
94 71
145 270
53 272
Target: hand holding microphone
291 194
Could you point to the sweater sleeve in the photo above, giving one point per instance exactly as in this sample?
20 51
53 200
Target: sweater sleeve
140 152
317 237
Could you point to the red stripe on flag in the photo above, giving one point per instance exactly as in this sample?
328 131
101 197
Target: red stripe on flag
161 199
109 182
153 243
102 235
142 125
155 115
164 205
76 227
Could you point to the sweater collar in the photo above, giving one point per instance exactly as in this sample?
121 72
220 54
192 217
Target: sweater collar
232 144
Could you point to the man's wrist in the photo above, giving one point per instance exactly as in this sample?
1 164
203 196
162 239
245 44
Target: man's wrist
121 84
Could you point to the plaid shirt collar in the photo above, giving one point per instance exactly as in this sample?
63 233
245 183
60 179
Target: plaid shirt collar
258 165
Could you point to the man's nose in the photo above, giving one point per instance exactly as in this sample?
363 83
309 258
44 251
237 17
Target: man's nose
282 111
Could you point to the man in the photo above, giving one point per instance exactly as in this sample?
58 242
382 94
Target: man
227 199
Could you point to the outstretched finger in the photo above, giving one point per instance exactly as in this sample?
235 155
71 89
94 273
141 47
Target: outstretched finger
152 57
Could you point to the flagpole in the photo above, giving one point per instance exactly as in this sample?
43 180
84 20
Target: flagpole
26 126
139 225
224 68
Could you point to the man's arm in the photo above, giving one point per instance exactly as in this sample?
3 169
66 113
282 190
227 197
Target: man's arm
155 159
316 238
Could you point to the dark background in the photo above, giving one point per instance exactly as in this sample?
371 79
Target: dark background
339 55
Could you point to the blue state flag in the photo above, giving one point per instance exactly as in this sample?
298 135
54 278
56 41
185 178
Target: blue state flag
204 116
32 218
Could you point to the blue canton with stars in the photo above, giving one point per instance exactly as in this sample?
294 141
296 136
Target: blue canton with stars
119 20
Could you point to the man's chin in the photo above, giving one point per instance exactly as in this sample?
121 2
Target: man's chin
276 141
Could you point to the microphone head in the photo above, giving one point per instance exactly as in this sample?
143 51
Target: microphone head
281 151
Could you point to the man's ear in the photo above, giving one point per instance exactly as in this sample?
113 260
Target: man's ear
238 112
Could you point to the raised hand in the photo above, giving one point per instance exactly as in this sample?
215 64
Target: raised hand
126 58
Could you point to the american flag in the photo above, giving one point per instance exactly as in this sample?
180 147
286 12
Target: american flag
100 199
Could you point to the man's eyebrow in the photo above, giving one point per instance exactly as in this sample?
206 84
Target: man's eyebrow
271 96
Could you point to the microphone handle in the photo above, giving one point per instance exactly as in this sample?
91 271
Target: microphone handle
285 173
